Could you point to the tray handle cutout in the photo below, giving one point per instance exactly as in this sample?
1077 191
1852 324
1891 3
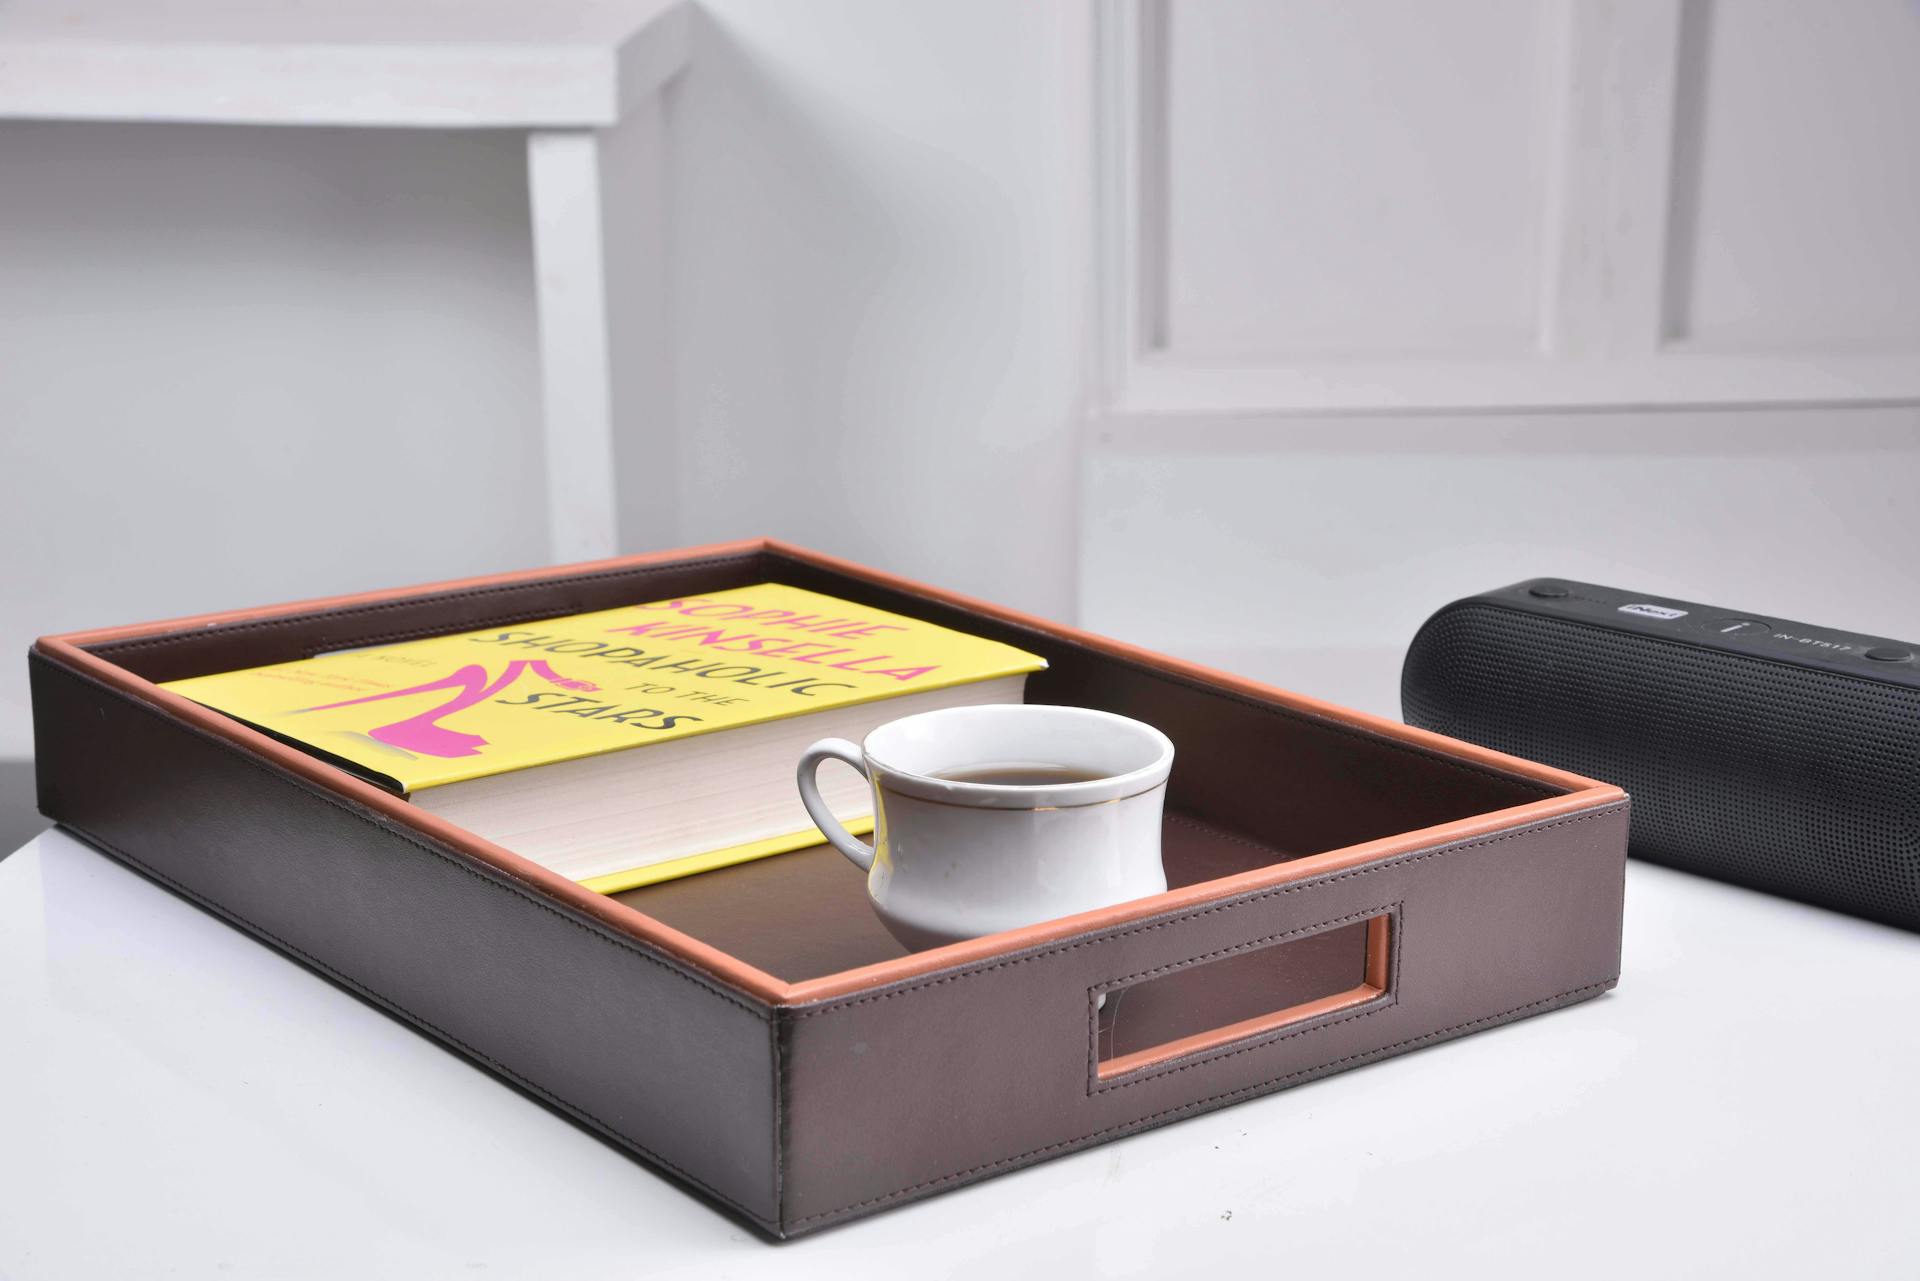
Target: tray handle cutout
1214 1001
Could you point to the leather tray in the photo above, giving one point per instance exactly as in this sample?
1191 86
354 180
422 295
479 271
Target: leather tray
1344 888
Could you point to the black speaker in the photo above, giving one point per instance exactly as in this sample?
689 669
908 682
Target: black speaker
1768 753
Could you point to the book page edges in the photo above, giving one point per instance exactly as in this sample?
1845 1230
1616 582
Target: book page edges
692 864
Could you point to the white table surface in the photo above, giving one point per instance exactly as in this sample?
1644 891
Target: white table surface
176 1099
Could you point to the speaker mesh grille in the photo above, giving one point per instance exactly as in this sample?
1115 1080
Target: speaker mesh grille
1798 782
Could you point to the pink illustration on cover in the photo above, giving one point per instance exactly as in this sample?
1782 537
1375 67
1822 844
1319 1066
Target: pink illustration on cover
423 735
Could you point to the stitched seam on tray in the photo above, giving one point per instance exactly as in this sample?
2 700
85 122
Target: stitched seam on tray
1312 884
1248 946
119 647
472 593
1334 727
1222 834
1373 1005
1256 1088
777 1060
415 633
1289 713
1258 1040
492 1063
515 888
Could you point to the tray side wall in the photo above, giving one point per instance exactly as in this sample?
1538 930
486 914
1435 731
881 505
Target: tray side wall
622 1024
950 1079
1230 744
643 1050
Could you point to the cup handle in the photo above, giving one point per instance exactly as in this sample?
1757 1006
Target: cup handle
838 749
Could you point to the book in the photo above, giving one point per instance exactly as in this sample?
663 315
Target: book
628 745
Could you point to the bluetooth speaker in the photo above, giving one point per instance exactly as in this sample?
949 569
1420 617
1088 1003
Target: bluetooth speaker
1778 755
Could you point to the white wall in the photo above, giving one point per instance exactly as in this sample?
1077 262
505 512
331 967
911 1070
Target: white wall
243 365
1249 330
881 221
1340 537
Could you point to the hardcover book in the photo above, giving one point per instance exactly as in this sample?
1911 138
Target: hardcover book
629 745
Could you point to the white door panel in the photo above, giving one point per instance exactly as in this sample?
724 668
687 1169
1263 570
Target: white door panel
1401 301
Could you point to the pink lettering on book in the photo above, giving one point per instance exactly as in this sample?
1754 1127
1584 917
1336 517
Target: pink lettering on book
423 735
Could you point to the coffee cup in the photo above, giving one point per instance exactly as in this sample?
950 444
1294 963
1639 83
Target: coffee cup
990 818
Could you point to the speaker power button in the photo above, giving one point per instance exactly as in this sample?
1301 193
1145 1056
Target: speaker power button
1889 654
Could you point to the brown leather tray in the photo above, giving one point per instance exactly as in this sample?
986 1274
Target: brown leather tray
1343 888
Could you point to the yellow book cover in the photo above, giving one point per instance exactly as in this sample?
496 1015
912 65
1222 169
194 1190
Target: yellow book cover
447 709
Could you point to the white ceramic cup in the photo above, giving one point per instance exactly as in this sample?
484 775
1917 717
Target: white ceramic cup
953 860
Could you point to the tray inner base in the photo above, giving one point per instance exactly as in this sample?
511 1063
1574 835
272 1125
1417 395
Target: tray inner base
805 914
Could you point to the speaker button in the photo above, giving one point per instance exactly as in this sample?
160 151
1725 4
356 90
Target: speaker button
1889 654
1547 591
